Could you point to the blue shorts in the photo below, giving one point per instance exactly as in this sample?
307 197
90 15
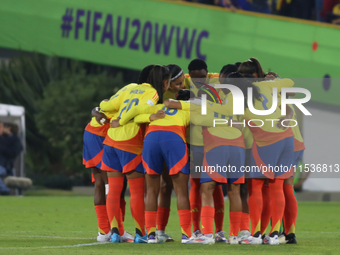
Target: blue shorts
226 161
273 161
92 150
168 147
122 161
196 160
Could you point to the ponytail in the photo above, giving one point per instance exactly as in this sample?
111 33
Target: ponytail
156 79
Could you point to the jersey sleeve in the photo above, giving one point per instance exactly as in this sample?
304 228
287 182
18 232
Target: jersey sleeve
134 111
142 118
151 98
280 83
113 104
185 105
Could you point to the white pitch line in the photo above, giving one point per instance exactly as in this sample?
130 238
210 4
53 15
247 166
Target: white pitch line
57 237
53 247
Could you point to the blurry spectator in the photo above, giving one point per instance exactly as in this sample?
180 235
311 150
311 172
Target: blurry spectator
259 6
328 6
4 190
302 9
231 4
318 10
10 147
334 17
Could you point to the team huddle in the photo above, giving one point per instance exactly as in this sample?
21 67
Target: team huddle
152 135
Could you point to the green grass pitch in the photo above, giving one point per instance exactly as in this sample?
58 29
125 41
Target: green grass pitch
65 224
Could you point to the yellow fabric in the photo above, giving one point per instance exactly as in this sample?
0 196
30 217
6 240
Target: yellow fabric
169 95
124 100
336 10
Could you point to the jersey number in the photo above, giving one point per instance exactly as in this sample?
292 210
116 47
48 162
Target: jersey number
134 101
170 111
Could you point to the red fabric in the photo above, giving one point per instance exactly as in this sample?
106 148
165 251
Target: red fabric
244 222
195 203
112 203
150 221
291 209
277 203
103 219
137 190
265 216
235 222
122 208
219 207
162 217
207 216
185 222
328 6
255 203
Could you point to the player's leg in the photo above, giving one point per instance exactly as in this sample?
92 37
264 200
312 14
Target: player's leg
92 157
219 213
197 153
291 207
276 188
153 165
164 202
112 165
244 227
235 157
152 191
100 205
175 154
265 216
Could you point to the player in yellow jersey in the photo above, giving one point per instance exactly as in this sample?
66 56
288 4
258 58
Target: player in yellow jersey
197 77
164 201
165 142
123 148
273 147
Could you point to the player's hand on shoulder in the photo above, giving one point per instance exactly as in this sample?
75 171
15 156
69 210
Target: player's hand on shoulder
158 115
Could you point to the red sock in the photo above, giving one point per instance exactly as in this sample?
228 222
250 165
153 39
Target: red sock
137 189
235 222
122 208
162 217
277 204
195 203
291 209
244 222
207 216
112 203
265 216
255 205
150 221
219 207
185 222
103 219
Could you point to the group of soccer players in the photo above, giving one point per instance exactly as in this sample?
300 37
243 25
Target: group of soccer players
147 133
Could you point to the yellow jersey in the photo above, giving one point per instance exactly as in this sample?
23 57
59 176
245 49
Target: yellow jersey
175 120
268 133
298 140
130 136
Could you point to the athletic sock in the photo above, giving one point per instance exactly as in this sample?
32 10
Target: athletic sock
112 203
277 204
291 209
185 222
103 219
122 208
244 221
255 205
265 216
150 222
162 217
195 203
207 216
137 189
235 222
219 207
